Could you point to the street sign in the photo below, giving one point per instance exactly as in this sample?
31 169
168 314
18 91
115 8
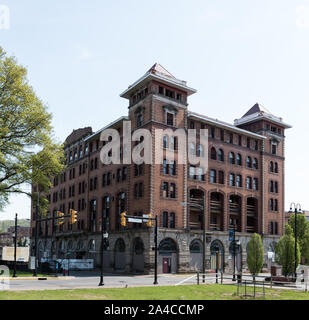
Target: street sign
134 220
231 235
146 216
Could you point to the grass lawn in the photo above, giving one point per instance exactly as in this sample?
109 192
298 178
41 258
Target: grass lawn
194 292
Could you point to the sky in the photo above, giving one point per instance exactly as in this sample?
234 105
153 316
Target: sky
81 55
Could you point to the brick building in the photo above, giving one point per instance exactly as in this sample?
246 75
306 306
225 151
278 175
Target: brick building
244 185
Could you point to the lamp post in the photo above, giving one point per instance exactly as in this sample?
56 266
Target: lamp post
102 253
297 209
156 252
15 245
234 250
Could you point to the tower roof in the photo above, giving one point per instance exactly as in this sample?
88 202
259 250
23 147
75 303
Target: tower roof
259 112
257 108
159 73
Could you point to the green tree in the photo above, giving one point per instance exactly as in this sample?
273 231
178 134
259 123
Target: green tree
285 254
302 233
255 256
27 151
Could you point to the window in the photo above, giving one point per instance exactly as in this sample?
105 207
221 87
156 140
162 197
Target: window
276 187
139 120
165 142
232 180
169 119
232 158
238 159
200 175
192 125
104 180
212 132
271 166
249 183
213 176
172 168
165 189
248 143
255 184
165 220
239 141
119 171
161 90
231 138
221 177
213 154
192 149
200 151
273 149
249 162
109 179
140 190
222 135
172 190
172 220
239 181
256 145
255 164
192 172
276 167
221 155
169 93
124 173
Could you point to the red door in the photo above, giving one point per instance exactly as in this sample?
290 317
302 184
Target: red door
165 265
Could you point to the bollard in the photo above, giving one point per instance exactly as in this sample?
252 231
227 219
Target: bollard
198 278
221 277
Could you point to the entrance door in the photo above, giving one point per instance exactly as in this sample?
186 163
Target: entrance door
166 265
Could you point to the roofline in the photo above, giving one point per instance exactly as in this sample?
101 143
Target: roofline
106 127
259 116
225 125
179 83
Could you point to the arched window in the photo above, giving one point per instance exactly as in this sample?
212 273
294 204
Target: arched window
232 158
120 245
232 180
172 220
276 167
165 219
196 246
221 155
249 162
271 166
238 159
213 154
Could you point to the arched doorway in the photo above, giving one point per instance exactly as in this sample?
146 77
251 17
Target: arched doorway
138 255
236 255
217 252
196 255
120 255
168 256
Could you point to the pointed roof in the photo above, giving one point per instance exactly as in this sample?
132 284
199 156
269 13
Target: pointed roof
259 112
158 69
257 108
158 73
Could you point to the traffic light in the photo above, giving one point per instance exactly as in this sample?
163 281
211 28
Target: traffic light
60 218
73 214
123 219
149 222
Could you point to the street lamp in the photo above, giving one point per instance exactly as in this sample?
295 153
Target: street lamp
35 273
297 209
234 250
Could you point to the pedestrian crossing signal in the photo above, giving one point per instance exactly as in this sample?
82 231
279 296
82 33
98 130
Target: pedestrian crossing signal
123 219
73 214
60 218
149 222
